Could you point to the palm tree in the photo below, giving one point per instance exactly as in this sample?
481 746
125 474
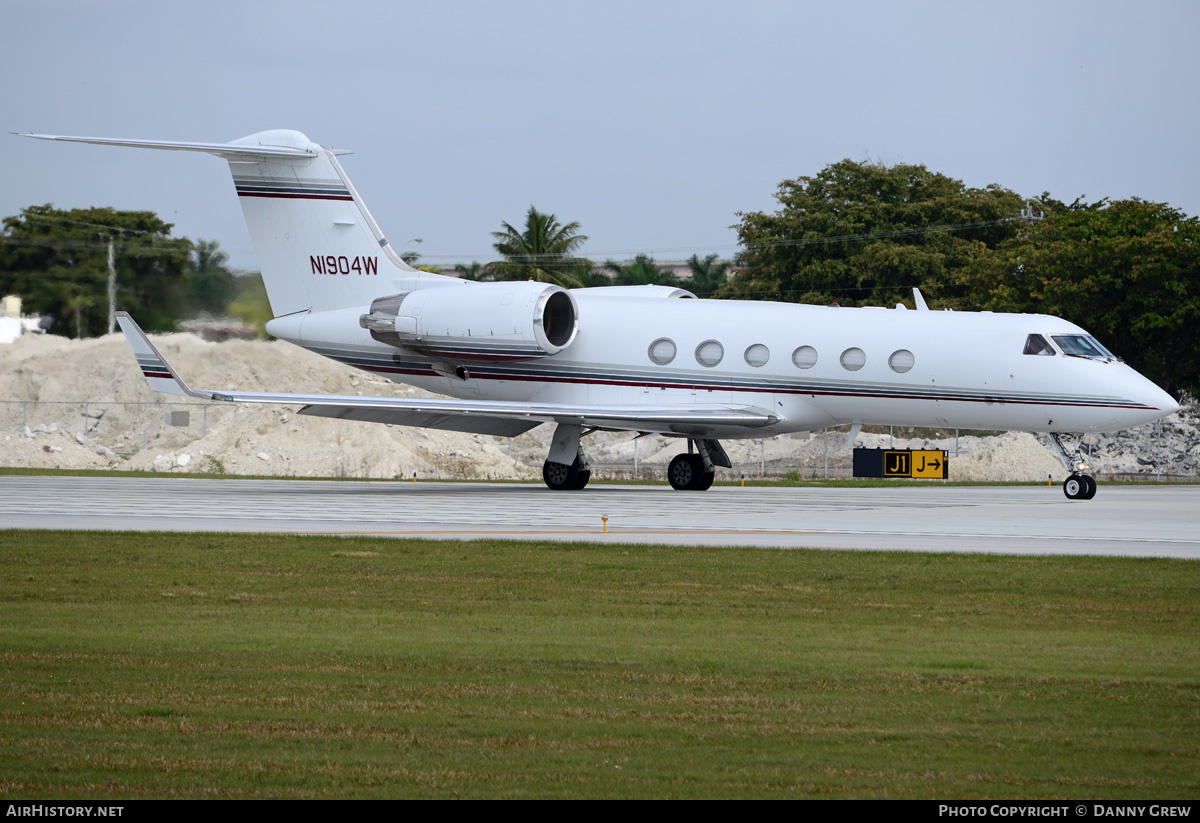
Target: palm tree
642 271
708 274
470 271
544 251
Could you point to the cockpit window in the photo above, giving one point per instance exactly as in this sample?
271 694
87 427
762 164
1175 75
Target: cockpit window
1036 344
1081 345
1101 347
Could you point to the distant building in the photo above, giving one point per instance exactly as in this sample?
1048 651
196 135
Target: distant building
12 324
216 329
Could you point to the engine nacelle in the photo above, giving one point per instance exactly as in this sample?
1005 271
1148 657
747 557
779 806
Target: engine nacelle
483 322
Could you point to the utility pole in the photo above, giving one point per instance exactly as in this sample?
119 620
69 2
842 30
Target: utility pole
112 289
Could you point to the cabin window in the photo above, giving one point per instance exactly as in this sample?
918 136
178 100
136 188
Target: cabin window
709 353
1036 344
1081 345
805 357
853 359
758 355
662 351
901 361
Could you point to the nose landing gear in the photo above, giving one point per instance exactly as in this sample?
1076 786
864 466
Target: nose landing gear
1080 485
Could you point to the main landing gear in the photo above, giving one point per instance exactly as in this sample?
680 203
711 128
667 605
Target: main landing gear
686 473
567 468
1080 485
561 477
695 472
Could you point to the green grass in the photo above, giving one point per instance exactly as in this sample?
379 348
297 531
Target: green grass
164 665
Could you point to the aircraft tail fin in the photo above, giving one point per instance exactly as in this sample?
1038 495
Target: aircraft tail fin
317 245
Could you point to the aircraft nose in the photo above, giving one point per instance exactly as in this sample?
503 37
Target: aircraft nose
1170 404
1151 395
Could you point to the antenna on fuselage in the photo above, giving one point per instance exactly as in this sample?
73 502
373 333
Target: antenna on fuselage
919 300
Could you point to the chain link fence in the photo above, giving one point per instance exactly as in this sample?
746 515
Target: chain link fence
124 427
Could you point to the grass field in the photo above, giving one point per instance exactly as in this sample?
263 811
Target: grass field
160 665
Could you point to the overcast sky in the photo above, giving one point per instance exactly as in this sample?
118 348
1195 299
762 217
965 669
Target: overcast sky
651 123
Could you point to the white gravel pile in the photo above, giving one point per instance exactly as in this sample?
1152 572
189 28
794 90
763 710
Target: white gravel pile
46 431
235 439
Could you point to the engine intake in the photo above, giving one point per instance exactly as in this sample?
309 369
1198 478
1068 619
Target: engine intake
484 322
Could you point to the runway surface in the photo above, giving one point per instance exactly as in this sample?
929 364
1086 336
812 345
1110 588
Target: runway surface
1143 521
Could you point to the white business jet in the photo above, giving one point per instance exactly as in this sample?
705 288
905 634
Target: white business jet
645 359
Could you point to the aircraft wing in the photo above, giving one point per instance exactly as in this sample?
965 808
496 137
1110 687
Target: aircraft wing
495 417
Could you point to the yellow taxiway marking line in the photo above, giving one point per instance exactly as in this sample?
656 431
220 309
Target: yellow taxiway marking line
563 531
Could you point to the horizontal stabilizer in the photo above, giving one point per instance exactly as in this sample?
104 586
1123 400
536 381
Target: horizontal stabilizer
226 150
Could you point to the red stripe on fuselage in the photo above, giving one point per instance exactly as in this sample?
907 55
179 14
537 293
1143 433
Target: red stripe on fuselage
809 392
295 196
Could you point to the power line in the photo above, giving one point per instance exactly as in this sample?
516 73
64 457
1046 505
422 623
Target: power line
93 245
765 244
46 218
125 248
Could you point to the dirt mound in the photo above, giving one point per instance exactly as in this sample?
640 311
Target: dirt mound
84 404
118 422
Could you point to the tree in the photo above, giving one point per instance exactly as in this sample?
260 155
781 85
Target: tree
251 305
866 233
595 278
56 260
1128 271
470 271
708 274
209 285
545 251
643 271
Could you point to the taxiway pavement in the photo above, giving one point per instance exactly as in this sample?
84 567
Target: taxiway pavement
1142 521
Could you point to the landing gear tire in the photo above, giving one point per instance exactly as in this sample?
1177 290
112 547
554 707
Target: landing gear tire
681 472
1079 487
560 476
686 473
